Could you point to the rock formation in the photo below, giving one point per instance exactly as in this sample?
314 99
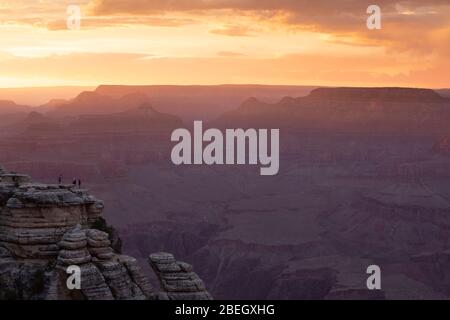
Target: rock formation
44 229
177 279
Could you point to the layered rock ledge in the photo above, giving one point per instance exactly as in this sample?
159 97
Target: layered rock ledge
44 229
177 279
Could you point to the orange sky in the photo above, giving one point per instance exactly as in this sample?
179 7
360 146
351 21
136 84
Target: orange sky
321 42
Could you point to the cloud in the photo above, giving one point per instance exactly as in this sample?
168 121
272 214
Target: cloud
339 18
233 31
105 22
343 20
412 47
306 8
52 15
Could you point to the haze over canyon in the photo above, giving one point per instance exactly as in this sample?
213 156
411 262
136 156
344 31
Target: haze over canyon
364 180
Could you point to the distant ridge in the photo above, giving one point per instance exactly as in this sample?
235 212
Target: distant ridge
92 103
203 102
120 90
402 95
36 96
403 110
141 118
35 123
10 107
444 92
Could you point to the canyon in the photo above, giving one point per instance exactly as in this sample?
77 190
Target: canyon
364 180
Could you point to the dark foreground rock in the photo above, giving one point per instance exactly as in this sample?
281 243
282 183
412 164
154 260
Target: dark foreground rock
45 229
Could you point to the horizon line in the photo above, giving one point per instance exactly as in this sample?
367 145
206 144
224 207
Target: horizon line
96 86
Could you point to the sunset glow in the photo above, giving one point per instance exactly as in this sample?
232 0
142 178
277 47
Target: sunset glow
220 41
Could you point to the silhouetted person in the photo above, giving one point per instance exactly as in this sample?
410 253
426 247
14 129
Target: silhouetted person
79 183
74 182
60 178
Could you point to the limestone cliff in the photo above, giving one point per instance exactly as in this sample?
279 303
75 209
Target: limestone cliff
44 229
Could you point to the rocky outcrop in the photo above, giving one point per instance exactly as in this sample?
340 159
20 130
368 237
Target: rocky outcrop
45 229
74 251
73 248
34 217
177 279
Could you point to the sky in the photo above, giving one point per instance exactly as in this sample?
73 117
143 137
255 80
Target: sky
296 42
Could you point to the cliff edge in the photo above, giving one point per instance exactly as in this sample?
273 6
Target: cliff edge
45 229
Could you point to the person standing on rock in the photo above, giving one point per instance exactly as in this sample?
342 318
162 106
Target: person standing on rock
74 182
60 178
79 183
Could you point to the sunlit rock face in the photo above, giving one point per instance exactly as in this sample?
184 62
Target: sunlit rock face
44 229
